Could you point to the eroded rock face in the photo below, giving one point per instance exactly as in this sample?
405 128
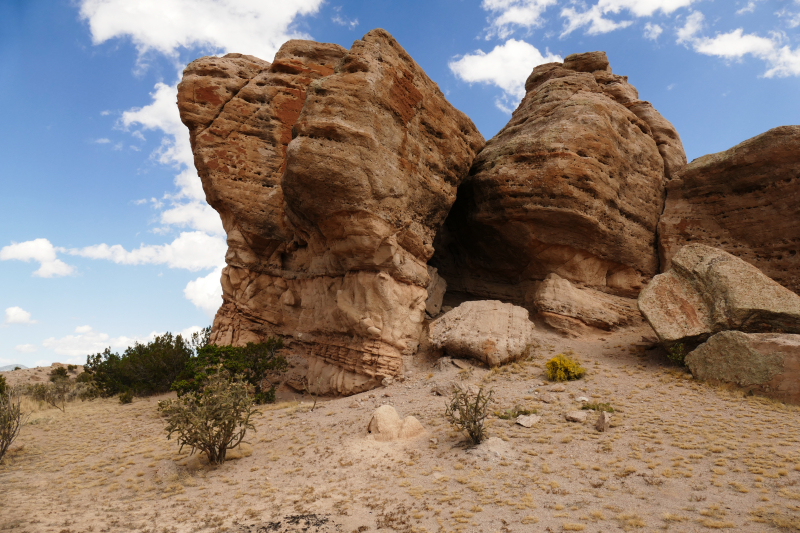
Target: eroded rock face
573 185
767 364
745 200
488 330
332 171
708 290
386 425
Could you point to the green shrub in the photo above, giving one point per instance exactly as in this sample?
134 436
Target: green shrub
11 420
467 412
143 368
598 407
84 377
677 353
214 418
55 393
563 368
4 389
512 414
126 397
254 362
58 372
72 368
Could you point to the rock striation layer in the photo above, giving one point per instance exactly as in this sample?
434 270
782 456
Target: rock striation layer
708 290
745 200
332 171
572 185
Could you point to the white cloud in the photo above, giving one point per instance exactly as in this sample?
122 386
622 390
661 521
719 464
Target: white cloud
191 250
41 251
206 292
781 60
42 362
507 66
652 31
87 341
25 348
17 315
102 141
693 25
105 113
595 16
510 14
749 8
343 21
255 27
195 215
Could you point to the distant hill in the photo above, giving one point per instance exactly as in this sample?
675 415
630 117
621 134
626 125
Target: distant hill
11 367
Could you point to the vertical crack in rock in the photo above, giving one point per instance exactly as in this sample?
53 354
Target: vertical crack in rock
332 171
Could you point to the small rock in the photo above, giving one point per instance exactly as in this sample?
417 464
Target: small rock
492 448
528 420
355 405
434 441
387 395
371 395
582 399
387 381
460 363
603 422
549 398
558 387
576 416
443 364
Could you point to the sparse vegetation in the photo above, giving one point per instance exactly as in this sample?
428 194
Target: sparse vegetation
677 353
126 397
512 414
57 373
597 406
214 419
11 420
563 368
54 393
255 362
467 412
3 386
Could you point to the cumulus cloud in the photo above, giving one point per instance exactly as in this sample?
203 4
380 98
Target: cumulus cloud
782 60
255 27
88 341
41 251
17 315
192 251
748 8
25 348
507 66
508 15
652 31
102 141
595 16
692 26
205 292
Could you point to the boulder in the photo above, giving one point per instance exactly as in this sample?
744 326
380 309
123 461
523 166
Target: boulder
575 311
331 170
708 290
745 200
767 364
572 185
577 416
603 422
528 421
386 425
488 330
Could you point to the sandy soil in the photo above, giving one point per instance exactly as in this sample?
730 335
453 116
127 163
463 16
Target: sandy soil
680 455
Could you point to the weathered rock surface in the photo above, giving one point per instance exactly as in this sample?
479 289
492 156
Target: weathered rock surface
576 416
488 330
572 185
767 364
708 290
603 422
386 425
435 289
528 421
576 311
745 200
332 171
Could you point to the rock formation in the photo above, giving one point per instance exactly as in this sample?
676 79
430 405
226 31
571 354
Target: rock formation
708 290
572 185
332 171
767 364
745 200
386 425
488 330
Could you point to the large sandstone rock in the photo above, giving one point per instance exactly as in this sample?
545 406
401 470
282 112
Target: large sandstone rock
332 171
708 290
745 200
575 311
488 330
386 425
764 363
572 185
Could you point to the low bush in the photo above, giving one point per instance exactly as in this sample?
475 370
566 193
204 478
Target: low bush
144 369
58 372
512 414
563 368
255 362
11 420
4 389
467 412
597 406
677 353
126 397
55 394
72 368
213 419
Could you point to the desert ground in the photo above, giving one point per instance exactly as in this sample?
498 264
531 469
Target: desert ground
680 455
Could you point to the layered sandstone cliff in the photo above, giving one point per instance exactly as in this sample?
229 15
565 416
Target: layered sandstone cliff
332 171
745 200
573 185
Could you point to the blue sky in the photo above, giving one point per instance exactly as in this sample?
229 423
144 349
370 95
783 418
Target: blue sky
105 238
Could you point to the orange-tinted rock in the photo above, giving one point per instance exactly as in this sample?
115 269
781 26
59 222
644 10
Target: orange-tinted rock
572 185
332 171
745 200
